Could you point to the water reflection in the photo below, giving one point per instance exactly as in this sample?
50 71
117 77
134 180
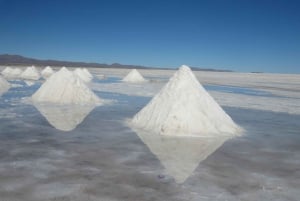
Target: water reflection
180 155
64 117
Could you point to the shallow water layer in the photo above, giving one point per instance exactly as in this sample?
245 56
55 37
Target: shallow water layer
103 159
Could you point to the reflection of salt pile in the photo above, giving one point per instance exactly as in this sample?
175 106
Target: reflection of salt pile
83 74
47 72
134 76
184 108
31 73
64 117
11 73
66 88
29 82
180 155
4 85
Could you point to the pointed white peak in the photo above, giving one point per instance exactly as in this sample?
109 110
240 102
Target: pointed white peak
4 85
31 73
83 74
47 72
6 71
180 155
11 73
184 108
134 77
64 87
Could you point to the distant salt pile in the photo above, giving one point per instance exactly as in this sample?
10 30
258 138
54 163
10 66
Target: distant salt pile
134 77
11 73
31 73
4 85
6 71
65 88
83 74
47 72
184 108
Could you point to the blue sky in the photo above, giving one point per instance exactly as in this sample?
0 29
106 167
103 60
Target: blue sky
240 35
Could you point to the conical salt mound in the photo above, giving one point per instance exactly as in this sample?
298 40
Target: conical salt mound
184 108
11 73
47 72
134 77
4 85
83 74
31 73
6 71
65 88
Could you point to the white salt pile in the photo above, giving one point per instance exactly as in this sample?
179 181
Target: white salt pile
4 85
180 156
6 71
11 73
65 88
134 77
184 108
83 74
31 73
47 72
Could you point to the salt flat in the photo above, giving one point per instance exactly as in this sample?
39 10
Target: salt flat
103 159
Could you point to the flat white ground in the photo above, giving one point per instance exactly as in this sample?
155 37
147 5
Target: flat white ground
103 159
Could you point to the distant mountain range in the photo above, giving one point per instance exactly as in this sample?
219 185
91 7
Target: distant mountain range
17 60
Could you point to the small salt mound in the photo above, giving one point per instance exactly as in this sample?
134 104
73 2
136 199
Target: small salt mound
11 73
4 85
31 73
134 77
184 108
6 71
66 88
47 72
83 74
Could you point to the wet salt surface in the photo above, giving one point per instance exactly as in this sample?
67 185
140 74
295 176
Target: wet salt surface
239 90
103 159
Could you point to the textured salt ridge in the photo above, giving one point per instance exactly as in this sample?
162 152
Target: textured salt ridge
30 73
47 72
134 77
64 87
184 108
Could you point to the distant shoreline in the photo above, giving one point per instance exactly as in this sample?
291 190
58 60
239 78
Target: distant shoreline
18 60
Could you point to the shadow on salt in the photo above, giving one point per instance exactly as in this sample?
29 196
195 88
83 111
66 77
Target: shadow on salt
180 156
64 117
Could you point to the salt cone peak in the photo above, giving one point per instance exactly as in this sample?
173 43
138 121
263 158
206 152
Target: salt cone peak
134 77
31 73
47 72
184 108
64 87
